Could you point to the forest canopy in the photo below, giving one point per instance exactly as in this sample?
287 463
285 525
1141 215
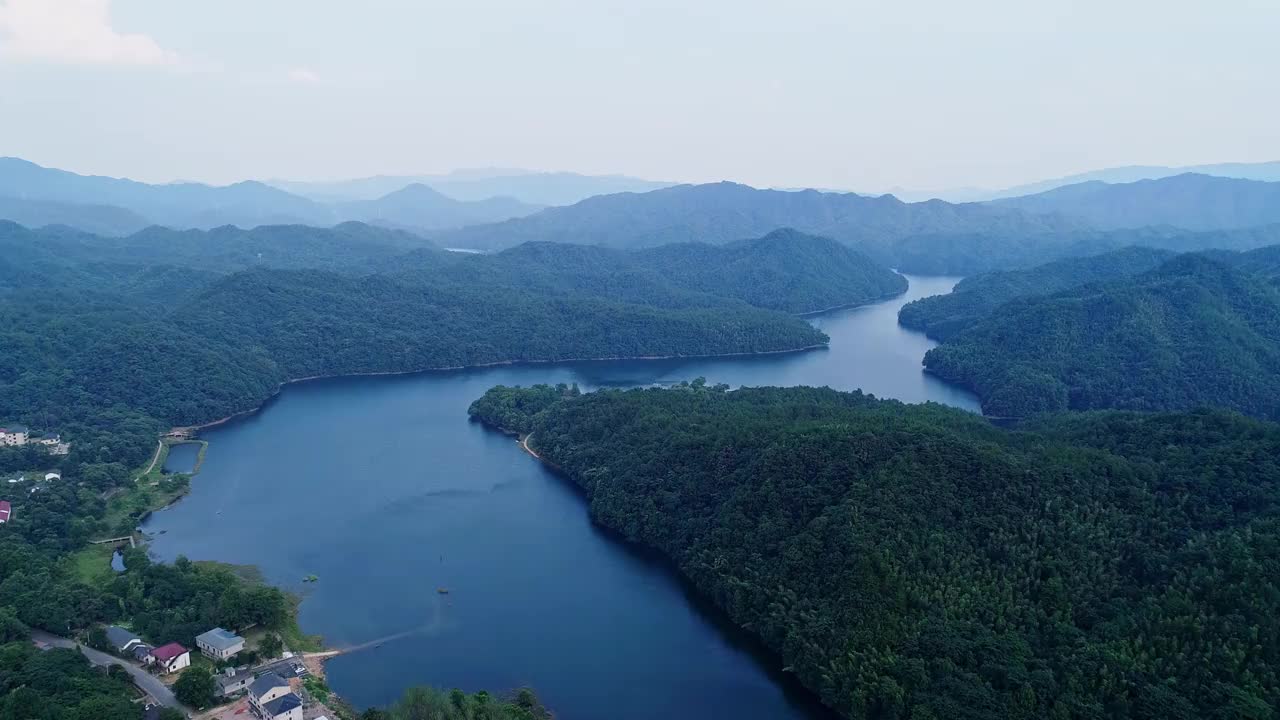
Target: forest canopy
917 562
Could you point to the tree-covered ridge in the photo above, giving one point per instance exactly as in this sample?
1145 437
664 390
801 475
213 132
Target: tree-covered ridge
916 562
1190 200
723 212
1198 330
972 253
784 270
191 326
974 298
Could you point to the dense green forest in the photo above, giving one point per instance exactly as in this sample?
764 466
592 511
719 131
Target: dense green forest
1197 330
110 341
974 298
60 684
916 562
187 327
982 252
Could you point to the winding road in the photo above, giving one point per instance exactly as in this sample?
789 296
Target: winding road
143 679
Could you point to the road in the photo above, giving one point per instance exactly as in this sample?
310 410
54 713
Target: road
143 679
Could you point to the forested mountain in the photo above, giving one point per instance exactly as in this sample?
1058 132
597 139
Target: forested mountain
723 212
103 219
37 195
1198 330
784 270
418 207
972 253
1190 201
533 188
191 326
350 247
1265 171
917 562
974 298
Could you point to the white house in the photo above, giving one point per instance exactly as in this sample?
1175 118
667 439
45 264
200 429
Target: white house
272 699
13 434
219 644
171 658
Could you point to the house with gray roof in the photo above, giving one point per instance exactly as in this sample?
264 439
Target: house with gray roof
266 688
121 640
219 644
232 682
285 707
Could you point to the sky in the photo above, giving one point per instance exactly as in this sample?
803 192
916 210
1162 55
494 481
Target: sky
852 94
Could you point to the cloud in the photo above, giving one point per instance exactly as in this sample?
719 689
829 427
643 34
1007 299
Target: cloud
303 75
72 32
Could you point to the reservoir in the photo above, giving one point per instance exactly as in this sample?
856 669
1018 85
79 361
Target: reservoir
382 488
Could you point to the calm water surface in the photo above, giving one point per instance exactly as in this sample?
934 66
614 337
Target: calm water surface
181 458
383 489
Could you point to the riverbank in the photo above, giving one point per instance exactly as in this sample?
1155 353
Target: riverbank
188 431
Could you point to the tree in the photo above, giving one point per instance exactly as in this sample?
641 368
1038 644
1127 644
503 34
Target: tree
196 687
270 646
11 628
97 638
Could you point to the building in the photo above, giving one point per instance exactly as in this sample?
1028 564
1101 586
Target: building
49 439
142 653
50 477
266 688
272 699
6 511
171 658
231 682
122 641
14 434
219 644
287 707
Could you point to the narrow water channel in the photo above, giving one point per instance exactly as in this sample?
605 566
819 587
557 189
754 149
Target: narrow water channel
384 490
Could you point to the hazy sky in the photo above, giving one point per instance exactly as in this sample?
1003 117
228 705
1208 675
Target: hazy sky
852 94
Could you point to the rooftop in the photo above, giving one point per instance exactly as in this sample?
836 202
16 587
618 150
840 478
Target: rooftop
266 683
219 638
14 428
282 704
168 652
119 637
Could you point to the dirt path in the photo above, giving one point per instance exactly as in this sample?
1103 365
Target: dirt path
154 458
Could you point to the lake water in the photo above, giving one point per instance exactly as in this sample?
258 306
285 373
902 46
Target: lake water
383 489
181 458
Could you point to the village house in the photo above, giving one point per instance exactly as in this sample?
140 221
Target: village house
122 641
231 681
272 699
13 434
171 658
6 511
219 644
142 653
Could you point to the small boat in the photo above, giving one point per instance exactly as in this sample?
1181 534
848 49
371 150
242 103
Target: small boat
442 590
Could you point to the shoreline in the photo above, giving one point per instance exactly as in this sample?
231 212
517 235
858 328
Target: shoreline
700 600
190 431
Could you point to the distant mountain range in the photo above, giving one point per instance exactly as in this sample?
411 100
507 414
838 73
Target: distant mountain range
535 188
35 195
1264 171
723 212
1189 201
